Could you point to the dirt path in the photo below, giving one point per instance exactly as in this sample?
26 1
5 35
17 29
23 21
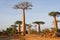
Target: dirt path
31 37
37 37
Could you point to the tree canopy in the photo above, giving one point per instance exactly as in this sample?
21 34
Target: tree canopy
37 22
18 22
58 20
54 13
23 5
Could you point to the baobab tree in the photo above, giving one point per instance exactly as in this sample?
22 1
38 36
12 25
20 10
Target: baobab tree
13 28
38 23
19 25
28 26
24 6
54 14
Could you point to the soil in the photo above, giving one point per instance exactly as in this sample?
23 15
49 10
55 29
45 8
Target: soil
30 37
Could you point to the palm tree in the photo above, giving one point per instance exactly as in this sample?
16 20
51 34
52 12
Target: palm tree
23 6
38 22
19 23
54 14
29 26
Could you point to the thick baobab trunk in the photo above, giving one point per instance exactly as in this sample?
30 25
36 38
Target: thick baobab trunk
29 29
55 26
39 27
23 22
55 23
19 29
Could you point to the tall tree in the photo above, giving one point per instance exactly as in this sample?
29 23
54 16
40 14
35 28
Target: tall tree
29 26
23 6
38 23
19 24
54 14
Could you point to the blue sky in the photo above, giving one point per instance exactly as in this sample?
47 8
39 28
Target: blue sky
39 12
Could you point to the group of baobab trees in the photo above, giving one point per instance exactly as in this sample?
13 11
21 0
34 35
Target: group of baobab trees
26 5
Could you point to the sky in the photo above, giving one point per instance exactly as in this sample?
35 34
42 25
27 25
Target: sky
39 12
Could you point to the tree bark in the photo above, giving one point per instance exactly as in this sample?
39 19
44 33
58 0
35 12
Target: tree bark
23 22
19 28
55 26
28 29
39 27
55 23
